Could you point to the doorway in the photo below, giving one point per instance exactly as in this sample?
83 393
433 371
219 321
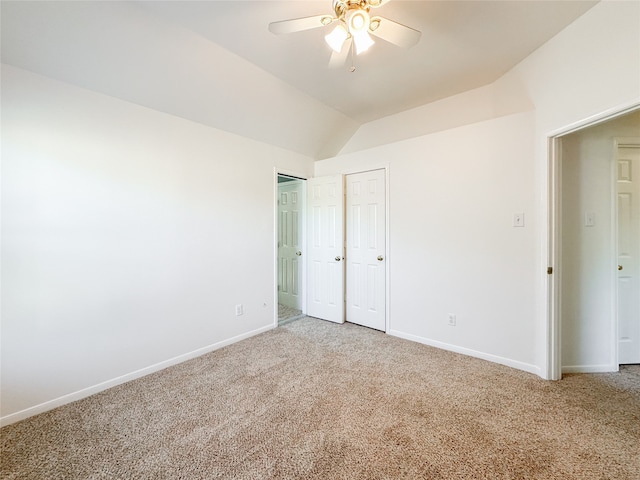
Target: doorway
585 312
311 245
290 241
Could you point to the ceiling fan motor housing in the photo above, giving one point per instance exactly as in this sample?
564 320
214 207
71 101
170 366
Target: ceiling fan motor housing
342 7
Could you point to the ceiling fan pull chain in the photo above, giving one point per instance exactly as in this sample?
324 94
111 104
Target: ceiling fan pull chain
353 66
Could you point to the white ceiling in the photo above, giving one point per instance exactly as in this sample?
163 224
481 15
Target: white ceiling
216 63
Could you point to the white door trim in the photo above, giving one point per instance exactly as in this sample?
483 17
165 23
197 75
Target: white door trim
554 259
553 370
303 274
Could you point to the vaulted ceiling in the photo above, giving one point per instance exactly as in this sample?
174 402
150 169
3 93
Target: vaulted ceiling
216 63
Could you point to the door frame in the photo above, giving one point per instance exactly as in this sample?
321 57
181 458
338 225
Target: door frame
303 240
554 239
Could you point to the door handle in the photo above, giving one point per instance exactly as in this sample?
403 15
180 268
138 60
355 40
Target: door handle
298 253
619 267
380 258
338 258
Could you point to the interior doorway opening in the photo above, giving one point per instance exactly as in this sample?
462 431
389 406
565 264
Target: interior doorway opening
290 205
310 245
585 308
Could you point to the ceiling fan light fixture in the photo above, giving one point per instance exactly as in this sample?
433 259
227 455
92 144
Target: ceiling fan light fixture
358 21
363 41
353 30
337 38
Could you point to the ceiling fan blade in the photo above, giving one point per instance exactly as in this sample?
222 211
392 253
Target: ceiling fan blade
394 32
300 24
338 59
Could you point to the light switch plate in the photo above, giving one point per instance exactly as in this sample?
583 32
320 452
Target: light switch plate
518 219
589 219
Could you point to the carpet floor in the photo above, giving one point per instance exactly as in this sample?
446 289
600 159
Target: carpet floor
316 400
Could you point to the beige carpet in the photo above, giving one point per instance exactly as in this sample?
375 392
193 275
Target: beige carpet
318 400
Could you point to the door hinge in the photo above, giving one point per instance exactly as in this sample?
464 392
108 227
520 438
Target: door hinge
549 270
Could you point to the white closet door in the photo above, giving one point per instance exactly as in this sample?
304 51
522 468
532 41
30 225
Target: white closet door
325 246
365 249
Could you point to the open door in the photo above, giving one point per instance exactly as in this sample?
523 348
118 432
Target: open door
628 210
290 204
325 245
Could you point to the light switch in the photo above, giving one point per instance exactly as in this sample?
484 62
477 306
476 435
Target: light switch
518 219
589 219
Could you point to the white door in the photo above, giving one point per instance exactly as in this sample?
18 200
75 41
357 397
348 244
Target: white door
628 193
365 249
289 243
325 248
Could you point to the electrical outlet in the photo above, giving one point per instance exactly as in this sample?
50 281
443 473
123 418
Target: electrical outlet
452 320
239 310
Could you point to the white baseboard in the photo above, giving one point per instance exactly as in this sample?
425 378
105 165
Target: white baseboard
608 368
86 392
527 367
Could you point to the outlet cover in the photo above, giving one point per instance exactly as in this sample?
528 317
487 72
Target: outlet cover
239 310
452 320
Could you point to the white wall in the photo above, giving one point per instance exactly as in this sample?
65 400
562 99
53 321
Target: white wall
588 252
484 103
128 236
453 248
128 51
591 67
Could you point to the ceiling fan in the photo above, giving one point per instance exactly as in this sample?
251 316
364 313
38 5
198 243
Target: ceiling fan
354 28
